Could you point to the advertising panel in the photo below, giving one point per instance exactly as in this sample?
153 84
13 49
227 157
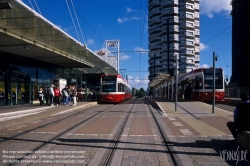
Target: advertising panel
62 83
21 89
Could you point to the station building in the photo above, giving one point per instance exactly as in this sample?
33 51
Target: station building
35 53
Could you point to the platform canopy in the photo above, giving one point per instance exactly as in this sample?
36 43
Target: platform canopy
160 78
26 33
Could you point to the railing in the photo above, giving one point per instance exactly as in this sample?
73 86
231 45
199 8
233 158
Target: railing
235 93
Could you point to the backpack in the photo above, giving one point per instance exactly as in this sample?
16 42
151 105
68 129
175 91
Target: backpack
65 93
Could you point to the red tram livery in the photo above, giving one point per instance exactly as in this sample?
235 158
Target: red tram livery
114 89
201 83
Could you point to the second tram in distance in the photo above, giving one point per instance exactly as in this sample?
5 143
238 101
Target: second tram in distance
114 89
201 84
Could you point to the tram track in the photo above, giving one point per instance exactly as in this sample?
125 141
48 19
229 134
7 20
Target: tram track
108 145
165 139
44 143
117 137
108 160
41 126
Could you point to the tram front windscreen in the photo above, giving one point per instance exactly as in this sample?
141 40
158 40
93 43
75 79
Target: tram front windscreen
208 79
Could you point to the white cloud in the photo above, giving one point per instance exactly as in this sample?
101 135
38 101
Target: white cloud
129 10
124 57
204 66
125 19
66 29
209 7
90 41
138 82
121 20
143 51
134 18
203 46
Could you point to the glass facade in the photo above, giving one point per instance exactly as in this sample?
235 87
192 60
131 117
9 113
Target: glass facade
20 81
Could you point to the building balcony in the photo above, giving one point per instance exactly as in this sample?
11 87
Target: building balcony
154 3
172 20
196 6
154 46
186 52
189 25
169 3
172 37
187 34
172 29
154 37
154 29
155 11
171 11
187 16
154 21
197 58
187 6
187 61
187 43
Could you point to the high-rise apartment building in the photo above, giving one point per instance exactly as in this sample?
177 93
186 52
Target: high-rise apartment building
174 30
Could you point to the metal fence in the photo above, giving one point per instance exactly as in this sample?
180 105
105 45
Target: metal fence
236 92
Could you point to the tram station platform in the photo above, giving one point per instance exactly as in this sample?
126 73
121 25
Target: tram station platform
198 136
33 111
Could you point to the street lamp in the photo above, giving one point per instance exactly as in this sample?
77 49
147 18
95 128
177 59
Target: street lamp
215 58
176 82
168 40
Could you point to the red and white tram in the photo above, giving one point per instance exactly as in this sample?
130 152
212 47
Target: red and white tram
201 83
114 89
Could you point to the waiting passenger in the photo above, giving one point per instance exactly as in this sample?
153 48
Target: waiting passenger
51 92
57 95
241 117
40 95
65 93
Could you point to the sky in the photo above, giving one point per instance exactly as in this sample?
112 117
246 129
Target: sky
127 21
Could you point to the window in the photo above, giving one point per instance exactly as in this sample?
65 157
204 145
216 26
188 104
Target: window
189 15
208 79
121 87
190 42
189 24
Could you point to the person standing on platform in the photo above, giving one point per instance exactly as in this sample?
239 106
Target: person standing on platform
65 93
41 95
241 117
51 93
47 95
57 95
74 94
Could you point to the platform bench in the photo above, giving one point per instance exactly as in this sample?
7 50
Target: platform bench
243 139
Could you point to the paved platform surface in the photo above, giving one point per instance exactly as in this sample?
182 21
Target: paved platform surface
196 136
26 110
200 137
